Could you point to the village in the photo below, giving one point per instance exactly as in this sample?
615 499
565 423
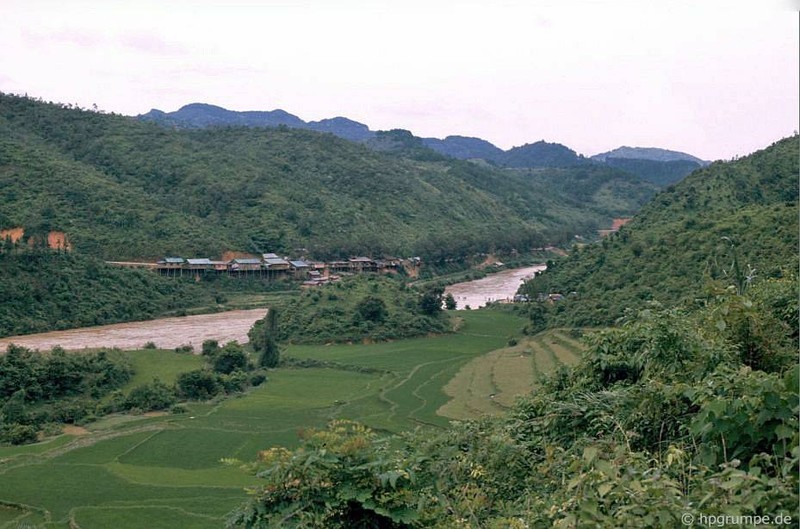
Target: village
273 267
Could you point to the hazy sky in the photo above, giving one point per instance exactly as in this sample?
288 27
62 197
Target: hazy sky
712 78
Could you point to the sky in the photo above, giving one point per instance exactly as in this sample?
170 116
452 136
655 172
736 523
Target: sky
716 79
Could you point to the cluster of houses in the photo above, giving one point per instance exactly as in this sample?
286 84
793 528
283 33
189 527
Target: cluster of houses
272 267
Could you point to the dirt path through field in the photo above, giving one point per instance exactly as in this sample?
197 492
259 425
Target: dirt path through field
166 333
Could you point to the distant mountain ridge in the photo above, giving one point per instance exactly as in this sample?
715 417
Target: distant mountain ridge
202 115
659 166
648 153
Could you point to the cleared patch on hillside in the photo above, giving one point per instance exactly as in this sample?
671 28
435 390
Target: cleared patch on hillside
490 383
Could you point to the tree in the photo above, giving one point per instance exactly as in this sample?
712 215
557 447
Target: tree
199 384
450 302
262 338
371 308
230 358
210 347
537 314
430 303
14 410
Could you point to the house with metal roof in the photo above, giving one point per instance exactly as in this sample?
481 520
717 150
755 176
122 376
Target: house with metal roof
245 264
300 269
201 264
363 264
276 263
171 261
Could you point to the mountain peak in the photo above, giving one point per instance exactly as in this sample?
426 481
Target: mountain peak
648 153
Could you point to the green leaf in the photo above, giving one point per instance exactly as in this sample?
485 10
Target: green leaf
589 454
783 432
604 489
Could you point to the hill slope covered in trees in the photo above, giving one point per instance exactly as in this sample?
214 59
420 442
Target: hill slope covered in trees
121 188
730 219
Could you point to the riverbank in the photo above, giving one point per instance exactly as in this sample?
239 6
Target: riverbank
165 333
228 325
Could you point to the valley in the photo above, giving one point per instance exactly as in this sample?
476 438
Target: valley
166 469
657 362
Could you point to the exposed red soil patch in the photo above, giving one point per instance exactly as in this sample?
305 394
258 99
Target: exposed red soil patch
57 240
490 260
619 222
15 233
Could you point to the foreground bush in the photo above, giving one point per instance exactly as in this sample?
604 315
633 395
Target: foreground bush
664 419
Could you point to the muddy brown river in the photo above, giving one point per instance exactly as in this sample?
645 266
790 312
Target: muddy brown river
166 333
500 286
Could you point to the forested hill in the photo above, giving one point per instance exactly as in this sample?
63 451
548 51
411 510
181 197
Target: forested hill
654 165
730 219
121 188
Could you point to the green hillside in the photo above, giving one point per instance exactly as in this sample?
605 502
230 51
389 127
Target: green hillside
741 214
121 188
41 291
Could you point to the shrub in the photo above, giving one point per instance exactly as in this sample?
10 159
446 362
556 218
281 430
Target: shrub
258 378
200 384
153 396
229 358
210 347
178 409
17 434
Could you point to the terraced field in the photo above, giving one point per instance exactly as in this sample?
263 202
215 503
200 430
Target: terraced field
489 384
166 471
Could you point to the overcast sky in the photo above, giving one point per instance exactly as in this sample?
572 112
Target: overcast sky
715 79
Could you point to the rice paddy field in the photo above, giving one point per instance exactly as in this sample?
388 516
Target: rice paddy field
490 383
166 471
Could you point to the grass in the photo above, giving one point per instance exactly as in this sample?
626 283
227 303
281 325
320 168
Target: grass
157 518
490 383
166 471
163 364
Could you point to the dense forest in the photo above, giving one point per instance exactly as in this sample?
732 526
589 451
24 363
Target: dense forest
728 218
122 188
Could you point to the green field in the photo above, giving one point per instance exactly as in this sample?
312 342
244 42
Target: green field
489 384
165 470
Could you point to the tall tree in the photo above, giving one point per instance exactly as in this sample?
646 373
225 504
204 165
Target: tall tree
262 337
